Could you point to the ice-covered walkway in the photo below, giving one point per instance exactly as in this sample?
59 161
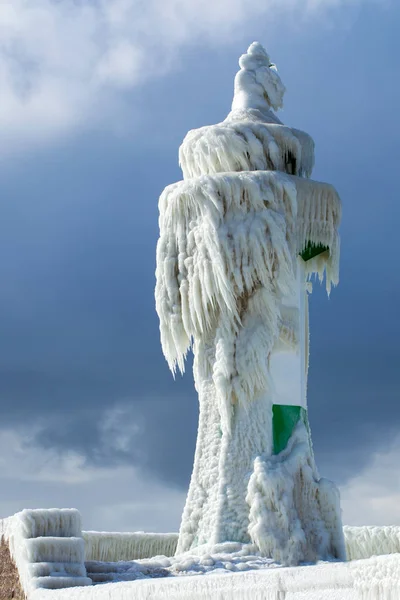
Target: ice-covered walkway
376 578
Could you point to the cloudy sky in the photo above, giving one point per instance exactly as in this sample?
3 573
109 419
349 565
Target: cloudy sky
95 98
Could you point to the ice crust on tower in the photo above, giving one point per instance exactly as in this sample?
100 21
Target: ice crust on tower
251 137
227 258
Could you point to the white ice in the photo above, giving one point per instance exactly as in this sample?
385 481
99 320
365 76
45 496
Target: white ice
367 541
230 235
376 578
233 570
113 547
361 542
47 548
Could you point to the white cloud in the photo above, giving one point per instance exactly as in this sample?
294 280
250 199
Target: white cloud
109 498
21 459
61 61
373 496
119 428
124 499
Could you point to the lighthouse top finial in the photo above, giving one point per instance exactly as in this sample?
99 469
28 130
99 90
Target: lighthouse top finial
257 84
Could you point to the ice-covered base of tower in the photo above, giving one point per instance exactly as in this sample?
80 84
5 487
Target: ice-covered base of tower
277 503
294 516
227 273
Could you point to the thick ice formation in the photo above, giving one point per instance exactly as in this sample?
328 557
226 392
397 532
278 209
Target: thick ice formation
246 145
233 570
222 237
283 487
47 548
257 84
251 138
361 542
230 285
367 541
113 547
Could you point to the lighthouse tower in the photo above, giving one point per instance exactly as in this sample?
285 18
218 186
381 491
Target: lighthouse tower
239 238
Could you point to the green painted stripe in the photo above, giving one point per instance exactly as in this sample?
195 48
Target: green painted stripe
284 419
312 250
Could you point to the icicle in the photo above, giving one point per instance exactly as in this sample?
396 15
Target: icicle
238 230
247 145
225 235
318 218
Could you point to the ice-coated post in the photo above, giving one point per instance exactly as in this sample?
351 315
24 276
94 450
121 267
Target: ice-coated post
239 237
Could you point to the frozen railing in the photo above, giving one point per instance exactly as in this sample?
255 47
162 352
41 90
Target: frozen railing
366 541
112 547
361 542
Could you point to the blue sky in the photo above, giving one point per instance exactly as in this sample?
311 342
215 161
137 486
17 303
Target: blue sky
95 99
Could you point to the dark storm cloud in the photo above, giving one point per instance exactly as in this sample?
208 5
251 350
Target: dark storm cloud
78 329
155 434
79 332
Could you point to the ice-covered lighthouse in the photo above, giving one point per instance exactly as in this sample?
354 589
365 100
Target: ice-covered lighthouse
239 238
